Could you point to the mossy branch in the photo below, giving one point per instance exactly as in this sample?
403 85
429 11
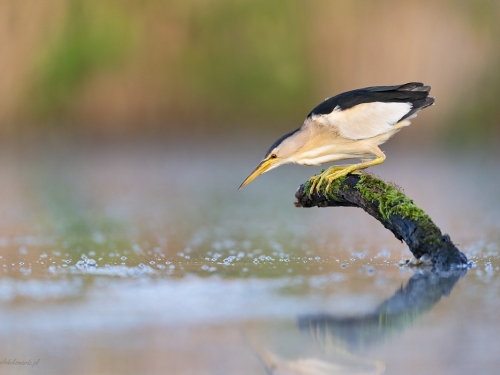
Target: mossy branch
393 209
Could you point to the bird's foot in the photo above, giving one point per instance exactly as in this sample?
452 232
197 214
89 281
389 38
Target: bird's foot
336 175
314 181
317 181
337 171
342 171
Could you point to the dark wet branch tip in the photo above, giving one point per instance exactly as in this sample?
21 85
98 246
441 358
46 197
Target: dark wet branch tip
389 205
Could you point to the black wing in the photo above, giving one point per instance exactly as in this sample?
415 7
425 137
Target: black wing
414 92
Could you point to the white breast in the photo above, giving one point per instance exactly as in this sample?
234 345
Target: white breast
340 150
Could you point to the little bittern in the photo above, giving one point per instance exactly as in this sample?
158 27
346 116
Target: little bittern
350 125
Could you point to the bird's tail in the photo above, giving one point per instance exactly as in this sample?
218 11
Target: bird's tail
417 103
414 86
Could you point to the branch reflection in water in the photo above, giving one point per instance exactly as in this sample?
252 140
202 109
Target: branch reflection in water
339 343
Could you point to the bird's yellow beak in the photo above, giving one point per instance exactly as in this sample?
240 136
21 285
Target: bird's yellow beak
263 167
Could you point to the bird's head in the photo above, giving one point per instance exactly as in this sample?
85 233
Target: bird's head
281 152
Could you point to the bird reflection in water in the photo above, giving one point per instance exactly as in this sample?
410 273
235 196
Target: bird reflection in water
342 340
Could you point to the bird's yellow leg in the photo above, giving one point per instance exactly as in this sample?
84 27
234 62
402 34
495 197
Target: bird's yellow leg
351 168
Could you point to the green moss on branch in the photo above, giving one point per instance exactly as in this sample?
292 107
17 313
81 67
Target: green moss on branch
392 208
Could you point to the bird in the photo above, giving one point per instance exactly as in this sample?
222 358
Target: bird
350 125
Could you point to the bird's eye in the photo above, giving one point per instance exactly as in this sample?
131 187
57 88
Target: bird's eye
273 156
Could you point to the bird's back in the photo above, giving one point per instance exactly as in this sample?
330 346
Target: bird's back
371 111
414 92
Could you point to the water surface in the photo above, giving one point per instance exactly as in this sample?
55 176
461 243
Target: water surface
146 259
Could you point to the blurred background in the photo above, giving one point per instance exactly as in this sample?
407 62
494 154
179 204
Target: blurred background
126 69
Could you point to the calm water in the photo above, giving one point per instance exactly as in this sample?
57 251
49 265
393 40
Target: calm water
147 260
